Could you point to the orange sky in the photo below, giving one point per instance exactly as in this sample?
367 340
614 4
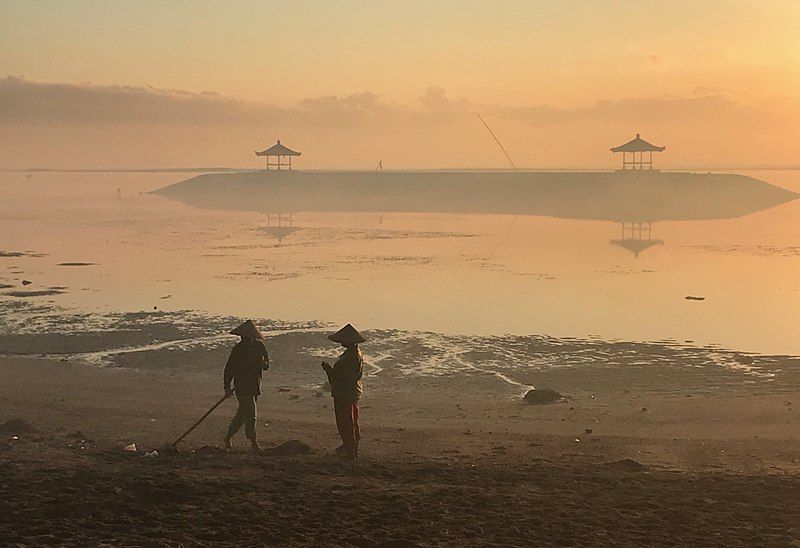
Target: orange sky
107 83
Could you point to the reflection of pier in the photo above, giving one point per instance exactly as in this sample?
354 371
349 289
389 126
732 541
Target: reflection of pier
637 236
280 225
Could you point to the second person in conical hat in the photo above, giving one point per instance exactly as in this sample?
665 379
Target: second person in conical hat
247 362
346 387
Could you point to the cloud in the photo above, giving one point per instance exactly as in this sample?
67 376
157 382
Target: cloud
24 103
707 110
31 103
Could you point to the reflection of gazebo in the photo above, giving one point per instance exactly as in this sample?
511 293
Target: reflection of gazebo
635 240
280 230
641 146
279 152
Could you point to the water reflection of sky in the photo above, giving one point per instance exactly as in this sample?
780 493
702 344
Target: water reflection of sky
443 273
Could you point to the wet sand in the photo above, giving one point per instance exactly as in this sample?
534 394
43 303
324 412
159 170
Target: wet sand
521 275
449 459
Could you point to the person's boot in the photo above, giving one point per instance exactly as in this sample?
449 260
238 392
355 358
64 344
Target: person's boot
254 447
228 444
355 451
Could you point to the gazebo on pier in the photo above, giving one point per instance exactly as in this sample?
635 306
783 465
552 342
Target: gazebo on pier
279 153
632 147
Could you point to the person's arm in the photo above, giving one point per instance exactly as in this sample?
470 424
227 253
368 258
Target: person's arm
227 375
264 357
328 371
347 369
335 371
350 372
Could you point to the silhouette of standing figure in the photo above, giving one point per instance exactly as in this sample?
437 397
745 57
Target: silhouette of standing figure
346 388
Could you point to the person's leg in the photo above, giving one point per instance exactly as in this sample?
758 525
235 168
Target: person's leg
340 411
236 422
344 423
251 416
356 429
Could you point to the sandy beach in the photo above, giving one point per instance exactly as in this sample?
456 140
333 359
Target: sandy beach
447 459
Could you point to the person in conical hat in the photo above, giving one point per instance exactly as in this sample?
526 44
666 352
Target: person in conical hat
248 329
346 388
247 362
346 336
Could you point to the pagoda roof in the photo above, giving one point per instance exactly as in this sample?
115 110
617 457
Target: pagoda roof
637 144
278 150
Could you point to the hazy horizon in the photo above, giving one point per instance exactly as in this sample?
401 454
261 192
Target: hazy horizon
97 84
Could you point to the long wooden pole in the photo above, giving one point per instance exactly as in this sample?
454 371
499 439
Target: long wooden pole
496 140
195 425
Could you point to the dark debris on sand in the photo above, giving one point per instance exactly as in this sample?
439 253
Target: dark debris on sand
17 426
288 449
35 293
626 465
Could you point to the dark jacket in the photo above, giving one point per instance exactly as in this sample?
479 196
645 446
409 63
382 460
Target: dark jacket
247 361
345 375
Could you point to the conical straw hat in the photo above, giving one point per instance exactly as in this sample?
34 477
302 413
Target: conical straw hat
248 329
347 335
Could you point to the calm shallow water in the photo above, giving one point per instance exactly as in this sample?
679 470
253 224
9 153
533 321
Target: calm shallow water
452 274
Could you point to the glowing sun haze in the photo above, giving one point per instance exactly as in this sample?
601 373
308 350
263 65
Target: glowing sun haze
108 83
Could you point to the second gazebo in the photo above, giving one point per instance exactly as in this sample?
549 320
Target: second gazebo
279 153
641 146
